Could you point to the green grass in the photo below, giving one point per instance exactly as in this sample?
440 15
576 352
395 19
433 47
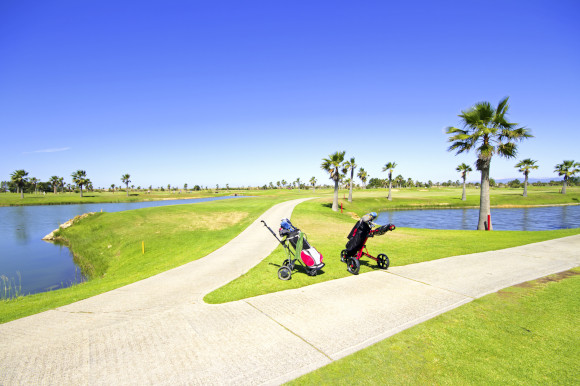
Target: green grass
451 198
13 199
363 199
327 232
527 334
108 246
173 241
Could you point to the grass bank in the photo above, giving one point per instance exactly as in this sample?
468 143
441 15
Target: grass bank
527 334
327 231
13 199
108 246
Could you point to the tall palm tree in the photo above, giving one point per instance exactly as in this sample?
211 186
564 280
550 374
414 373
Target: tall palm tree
54 181
363 175
18 177
284 183
464 169
34 181
349 165
298 183
332 165
313 183
80 178
486 129
125 178
390 166
399 181
567 169
525 166
61 183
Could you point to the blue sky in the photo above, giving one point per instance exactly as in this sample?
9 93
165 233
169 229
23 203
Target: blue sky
248 92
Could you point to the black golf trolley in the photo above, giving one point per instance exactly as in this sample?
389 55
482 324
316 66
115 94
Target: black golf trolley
356 245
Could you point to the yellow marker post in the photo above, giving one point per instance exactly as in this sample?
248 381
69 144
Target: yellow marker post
143 246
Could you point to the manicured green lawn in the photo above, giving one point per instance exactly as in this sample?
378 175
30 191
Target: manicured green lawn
327 232
13 199
108 246
525 335
175 235
364 201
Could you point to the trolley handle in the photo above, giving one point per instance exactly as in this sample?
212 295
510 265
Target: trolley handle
274 234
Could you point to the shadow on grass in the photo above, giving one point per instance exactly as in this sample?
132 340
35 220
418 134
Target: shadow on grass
327 205
298 268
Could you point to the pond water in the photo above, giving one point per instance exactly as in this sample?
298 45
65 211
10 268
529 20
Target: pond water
33 265
502 219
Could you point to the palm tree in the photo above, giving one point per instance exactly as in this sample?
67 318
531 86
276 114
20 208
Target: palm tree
80 178
349 165
567 169
464 169
284 183
390 166
486 129
61 183
298 183
399 181
313 183
363 175
34 181
525 166
125 178
54 181
18 177
332 166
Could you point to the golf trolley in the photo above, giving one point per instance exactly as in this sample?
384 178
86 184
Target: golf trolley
356 245
304 253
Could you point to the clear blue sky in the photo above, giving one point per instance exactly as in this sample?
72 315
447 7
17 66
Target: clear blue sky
248 92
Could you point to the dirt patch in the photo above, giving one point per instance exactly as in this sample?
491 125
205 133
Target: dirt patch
539 282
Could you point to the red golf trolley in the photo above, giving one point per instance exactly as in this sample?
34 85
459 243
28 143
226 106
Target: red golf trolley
356 245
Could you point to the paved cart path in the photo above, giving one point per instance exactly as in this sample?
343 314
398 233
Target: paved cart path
159 331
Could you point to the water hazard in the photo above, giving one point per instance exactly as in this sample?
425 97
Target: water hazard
32 265
502 219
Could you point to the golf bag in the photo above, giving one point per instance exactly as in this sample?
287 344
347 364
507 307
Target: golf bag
309 256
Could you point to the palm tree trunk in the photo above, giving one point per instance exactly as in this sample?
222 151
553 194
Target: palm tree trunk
526 186
350 191
127 190
484 200
564 186
335 200
463 197
22 192
81 190
390 198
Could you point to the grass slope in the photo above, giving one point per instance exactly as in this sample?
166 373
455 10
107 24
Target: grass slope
327 231
108 246
527 334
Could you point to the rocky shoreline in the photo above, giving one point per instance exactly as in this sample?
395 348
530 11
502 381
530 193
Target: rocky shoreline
51 236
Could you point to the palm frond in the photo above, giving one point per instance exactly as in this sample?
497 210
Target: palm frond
507 149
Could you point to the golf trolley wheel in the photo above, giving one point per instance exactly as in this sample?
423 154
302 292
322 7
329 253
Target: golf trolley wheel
352 265
383 261
284 273
343 255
